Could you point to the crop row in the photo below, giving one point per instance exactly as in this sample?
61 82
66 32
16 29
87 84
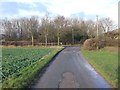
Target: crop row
16 59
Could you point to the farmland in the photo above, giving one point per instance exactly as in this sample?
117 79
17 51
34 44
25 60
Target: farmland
20 65
105 61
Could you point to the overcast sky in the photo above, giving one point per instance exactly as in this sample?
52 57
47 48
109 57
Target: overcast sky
86 9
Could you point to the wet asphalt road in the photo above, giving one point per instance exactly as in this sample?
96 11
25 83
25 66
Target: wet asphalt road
70 70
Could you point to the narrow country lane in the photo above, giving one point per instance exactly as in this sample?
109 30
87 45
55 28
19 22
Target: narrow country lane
70 70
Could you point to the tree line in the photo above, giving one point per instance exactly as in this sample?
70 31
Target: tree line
60 29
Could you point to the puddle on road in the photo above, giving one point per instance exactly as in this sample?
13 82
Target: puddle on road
99 78
68 81
93 72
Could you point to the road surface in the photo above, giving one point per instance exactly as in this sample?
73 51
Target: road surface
70 70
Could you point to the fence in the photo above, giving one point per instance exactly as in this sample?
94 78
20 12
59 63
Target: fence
25 43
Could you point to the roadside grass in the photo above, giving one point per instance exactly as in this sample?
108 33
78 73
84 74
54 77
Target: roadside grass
105 62
24 77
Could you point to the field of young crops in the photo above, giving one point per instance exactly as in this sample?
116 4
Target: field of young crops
16 62
105 62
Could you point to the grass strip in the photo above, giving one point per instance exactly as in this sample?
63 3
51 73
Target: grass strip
105 63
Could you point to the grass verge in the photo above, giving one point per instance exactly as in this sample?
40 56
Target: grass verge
24 77
105 62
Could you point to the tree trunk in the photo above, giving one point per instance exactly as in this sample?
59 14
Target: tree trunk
45 40
58 38
72 37
32 40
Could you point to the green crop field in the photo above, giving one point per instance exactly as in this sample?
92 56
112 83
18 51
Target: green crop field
105 61
20 65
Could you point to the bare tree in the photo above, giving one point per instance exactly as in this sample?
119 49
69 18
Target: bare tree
8 29
33 25
106 24
91 28
45 25
59 24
